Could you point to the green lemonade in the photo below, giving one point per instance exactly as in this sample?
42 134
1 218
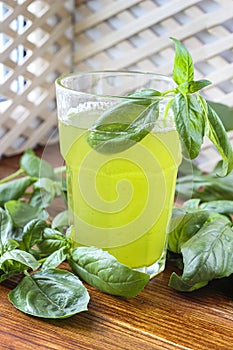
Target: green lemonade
122 202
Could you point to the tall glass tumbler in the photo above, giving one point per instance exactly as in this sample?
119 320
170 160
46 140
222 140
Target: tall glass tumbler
121 157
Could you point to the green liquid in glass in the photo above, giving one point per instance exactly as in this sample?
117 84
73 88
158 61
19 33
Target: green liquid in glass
122 202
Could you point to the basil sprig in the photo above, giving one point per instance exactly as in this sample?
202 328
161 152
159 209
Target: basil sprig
194 116
131 120
201 243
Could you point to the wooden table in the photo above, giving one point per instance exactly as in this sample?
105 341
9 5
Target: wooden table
158 318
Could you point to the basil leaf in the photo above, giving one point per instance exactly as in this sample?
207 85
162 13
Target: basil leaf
123 125
10 268
32 233
189 123
43 194
198 85
10 245
5 229
55 259
175 259
14 189
5 275
207 255
21 213
206 187
191 204
220 206
50 294
51 241
183 227
104 272
179 284
20 256
225 113
216 133
35 166
61 220
144 94
183 70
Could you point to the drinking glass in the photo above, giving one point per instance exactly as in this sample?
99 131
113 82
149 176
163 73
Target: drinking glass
121 158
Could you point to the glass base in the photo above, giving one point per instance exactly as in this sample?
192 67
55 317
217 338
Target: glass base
155 268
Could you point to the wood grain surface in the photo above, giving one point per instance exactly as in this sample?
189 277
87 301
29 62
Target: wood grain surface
158 318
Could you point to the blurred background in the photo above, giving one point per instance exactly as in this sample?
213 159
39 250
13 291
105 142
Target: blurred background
43 39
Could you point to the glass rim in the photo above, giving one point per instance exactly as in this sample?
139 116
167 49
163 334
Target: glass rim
59 81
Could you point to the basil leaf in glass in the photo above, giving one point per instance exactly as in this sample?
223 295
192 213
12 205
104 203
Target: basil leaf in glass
119 127
50 294
102 271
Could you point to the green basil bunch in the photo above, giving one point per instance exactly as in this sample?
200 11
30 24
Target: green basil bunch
201 243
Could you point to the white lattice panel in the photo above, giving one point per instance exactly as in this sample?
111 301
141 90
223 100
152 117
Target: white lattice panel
36 47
